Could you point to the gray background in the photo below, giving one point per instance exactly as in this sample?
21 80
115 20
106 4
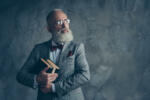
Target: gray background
115 33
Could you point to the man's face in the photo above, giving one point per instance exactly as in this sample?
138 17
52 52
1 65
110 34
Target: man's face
55 26
59 27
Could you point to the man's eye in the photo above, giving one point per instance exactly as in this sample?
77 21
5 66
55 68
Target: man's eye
67 21
59 22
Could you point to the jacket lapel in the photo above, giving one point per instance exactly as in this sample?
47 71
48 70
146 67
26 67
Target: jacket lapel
45 50
64 52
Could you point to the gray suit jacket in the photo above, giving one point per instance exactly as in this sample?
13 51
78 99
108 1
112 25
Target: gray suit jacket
73 73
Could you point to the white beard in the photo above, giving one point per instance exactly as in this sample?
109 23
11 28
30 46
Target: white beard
60 37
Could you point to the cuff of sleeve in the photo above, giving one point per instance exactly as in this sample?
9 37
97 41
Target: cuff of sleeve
35 84
53 87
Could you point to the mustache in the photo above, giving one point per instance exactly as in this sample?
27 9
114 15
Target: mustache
64 29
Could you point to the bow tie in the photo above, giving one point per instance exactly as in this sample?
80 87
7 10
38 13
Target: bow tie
53 48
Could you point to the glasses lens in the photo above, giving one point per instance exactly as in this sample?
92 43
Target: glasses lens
68 21
60 22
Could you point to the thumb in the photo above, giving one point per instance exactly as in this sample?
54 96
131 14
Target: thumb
45 69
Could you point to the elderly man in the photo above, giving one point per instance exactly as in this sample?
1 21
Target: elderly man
65 83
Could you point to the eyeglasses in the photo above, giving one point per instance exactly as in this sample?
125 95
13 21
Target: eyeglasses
60 22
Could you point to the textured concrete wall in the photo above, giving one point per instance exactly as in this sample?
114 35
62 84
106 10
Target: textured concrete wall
116 34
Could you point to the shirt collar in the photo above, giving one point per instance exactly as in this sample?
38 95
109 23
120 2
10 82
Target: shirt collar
55 44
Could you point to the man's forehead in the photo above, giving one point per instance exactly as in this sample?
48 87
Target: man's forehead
59 15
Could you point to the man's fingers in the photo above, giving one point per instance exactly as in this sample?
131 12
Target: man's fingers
51 79
45 78
53 75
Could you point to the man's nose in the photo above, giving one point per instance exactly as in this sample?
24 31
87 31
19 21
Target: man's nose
64 25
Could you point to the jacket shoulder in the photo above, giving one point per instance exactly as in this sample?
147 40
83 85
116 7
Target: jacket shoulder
76 44
43 44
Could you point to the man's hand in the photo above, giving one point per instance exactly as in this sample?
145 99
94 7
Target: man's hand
45 80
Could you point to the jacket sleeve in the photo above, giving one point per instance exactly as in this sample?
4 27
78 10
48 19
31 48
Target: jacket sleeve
25 74
80 76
